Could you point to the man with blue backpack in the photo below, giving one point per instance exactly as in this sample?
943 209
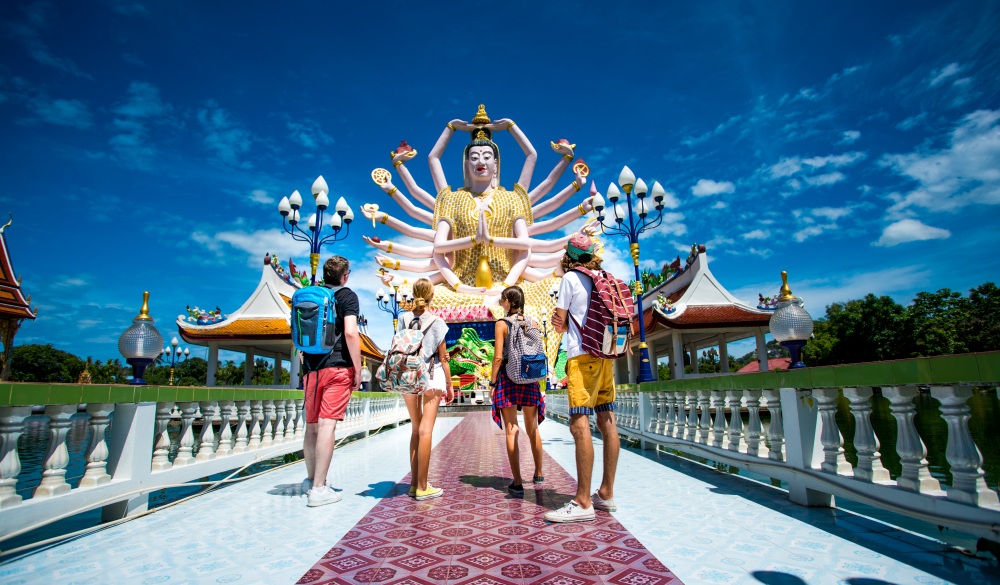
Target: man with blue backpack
324 323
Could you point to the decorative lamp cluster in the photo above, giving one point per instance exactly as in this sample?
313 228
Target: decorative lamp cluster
630 222
395 303
339 221
172 354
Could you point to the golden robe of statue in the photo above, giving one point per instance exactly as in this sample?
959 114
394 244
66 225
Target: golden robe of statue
459 209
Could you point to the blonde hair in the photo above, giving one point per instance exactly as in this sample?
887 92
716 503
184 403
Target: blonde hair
423 292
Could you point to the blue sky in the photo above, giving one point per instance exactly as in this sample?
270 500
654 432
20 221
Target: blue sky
146 144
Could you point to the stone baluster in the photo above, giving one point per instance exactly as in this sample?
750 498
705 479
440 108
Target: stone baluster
915 476
705 423
97 448
870 466
753 426
734 400
256 425
719 423
670 416
833 441
633 411
279 421
267 434
161 446
300 419
691 427
967 478
206 449
776 430
659 400
242 413
185 448
227 409
57 457
11 427
624 414
289 420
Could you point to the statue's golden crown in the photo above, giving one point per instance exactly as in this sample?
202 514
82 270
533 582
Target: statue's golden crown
481 117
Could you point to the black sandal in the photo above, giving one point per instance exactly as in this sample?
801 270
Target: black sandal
538 479
515 488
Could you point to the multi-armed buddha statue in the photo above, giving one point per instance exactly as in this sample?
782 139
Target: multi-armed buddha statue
482 237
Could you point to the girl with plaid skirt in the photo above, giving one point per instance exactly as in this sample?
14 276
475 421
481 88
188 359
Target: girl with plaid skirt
508 397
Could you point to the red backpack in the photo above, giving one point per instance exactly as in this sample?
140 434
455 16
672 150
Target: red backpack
607 326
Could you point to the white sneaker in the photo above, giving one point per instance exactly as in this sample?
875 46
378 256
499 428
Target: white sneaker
322 495
600 503
571 512
307 486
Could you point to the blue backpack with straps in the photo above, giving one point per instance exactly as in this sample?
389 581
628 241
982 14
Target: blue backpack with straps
314 319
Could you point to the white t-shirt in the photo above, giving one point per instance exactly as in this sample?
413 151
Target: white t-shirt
574 296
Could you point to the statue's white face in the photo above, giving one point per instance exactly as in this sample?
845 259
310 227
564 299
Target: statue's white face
481 164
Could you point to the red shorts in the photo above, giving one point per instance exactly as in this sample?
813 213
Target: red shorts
328 397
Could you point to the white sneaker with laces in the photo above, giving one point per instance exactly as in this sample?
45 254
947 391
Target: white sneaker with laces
322 495
600 503
571 512
307 486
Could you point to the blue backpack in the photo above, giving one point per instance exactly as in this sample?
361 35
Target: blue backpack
314 319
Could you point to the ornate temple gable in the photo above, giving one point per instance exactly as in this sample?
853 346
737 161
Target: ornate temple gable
13 303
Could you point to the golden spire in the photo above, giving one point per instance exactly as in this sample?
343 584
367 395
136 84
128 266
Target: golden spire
144 311
481 117
786 291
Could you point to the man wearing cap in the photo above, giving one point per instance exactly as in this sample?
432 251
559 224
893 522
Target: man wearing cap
590 386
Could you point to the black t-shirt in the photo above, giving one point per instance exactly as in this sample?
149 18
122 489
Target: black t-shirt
340 357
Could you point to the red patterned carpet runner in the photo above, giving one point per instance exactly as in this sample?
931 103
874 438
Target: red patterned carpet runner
477 534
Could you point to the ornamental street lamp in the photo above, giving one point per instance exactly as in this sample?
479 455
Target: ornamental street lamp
141 343
394 304
340 220
174 353
791 325
625 224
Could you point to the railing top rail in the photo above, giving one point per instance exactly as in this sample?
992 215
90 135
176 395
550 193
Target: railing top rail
32 394
969 368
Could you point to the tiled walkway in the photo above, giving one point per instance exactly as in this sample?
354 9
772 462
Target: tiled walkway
478 534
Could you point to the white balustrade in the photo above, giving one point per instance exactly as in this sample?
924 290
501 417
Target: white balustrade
97 449
206 448
776 428
734 400
161 453
915 476
691 425
54 477
300 419
11 427
968 483
705 422
267 426
754 446
833 442
240 444
719 424
256 425
289 420
869 460
227 410
279 421
185 445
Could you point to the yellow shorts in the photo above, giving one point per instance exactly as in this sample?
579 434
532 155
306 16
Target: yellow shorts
590 384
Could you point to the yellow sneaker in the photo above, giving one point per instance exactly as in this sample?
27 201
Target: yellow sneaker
429 493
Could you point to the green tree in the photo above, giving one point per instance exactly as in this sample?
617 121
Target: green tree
110 372
933 320
229 374
820 349
981 327
870 329
43 363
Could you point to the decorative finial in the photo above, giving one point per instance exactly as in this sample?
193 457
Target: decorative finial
481 117
144 311
7 225
482 135
785 294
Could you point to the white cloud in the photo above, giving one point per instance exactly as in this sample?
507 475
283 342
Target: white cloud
966 172
757 235
831 213
910 230
825 179
72 113
142 100
849 137
670 200
707 187
812 231
763 253
694 140
226 138
308 133
834 160
261 196
720 205
912 121
940 75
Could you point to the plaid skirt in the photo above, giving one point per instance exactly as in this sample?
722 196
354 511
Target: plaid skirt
509 393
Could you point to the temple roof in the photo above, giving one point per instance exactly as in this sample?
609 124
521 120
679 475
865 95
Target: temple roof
12 300
261 322
699 301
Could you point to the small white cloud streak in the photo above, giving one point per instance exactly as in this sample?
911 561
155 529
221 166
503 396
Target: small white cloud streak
910 230
708 187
